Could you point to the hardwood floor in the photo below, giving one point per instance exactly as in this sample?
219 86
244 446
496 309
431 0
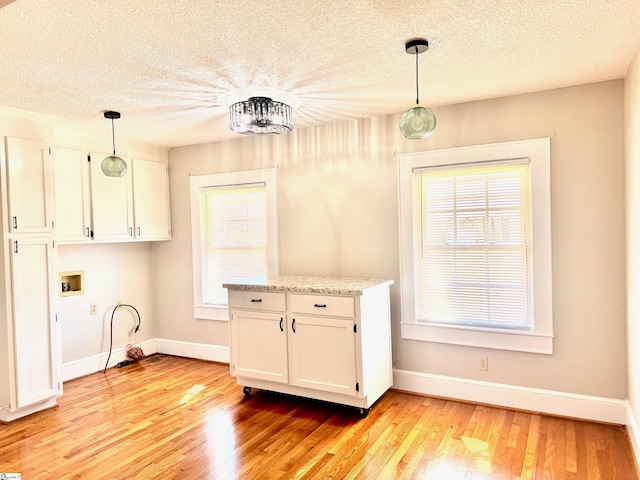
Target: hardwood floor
176 418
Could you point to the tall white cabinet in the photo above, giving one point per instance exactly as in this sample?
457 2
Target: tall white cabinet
318 337
29 332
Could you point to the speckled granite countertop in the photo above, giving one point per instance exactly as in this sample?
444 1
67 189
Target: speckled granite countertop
326 285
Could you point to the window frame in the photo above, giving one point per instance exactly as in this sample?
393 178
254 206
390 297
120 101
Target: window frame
198 184
540 338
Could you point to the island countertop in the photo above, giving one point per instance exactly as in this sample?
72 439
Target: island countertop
303 284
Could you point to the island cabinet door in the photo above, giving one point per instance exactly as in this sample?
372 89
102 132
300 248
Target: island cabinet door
323 354
259 346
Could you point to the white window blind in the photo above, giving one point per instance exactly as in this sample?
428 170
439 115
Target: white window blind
472 242
234 222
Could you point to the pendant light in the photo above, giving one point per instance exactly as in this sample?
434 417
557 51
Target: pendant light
417 122
113 165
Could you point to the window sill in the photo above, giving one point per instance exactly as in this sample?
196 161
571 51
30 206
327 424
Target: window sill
477 337
209 312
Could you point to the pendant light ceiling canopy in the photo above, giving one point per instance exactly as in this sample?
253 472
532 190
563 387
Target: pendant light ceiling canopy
260 116
417 122
113 165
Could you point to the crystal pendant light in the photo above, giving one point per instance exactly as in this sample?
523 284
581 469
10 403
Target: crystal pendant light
113 165
260 116
417 122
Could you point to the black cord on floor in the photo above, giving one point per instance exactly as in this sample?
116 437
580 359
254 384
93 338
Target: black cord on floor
111 330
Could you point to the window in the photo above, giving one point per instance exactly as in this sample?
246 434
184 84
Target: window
234 234
476 246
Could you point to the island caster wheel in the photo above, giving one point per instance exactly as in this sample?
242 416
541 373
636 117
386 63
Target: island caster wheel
364 412
246 391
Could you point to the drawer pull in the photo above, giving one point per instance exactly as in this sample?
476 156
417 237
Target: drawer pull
256 300
320 305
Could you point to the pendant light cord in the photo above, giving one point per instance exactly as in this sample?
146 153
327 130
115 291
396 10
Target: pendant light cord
417 96
113 136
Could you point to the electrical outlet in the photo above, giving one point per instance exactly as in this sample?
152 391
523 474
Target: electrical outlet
93 309
483 364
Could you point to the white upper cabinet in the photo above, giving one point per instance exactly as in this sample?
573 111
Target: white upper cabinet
91 206
72 196
151 200
29 185
111 203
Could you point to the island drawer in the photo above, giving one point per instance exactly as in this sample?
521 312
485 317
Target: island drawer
255 300
331 305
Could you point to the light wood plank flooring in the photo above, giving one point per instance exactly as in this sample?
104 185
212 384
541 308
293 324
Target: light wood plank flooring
175 418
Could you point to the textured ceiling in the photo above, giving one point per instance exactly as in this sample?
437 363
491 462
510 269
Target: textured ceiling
172 67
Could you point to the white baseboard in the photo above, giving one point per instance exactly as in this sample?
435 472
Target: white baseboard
7 416
95 363
609 410
599 409
201 351
634 432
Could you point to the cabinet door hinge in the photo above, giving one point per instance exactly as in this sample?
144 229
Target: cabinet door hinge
357 387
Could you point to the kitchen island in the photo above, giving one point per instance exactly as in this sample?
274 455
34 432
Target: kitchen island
327 338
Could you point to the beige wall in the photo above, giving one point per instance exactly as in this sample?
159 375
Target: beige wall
632 176
112 272
338 216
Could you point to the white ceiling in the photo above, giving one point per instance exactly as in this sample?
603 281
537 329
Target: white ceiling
171 67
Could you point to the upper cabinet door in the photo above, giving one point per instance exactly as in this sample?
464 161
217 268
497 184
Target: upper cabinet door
72 200
30 186
151 200
111 203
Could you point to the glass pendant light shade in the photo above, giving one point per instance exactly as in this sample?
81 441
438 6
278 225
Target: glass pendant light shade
260 116
417 122
113 165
